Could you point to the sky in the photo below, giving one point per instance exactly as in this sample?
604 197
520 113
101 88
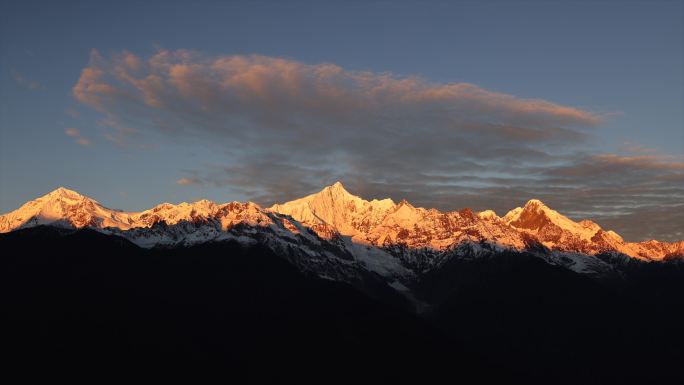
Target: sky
449 105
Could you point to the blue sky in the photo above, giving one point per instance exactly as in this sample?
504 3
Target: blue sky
621 62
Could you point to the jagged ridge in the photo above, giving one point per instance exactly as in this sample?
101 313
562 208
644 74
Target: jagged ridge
342 231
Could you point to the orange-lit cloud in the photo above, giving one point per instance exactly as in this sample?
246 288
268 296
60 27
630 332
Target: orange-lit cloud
660 162
637 149
607 164
188 181
74 133
247 87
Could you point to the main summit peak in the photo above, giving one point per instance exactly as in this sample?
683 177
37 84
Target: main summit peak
337 186
64 195
534 203
63 192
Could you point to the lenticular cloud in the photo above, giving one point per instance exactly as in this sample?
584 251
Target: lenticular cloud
235 92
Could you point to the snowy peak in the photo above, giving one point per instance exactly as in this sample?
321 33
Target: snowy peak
334 206
64 196
201 212
384 224
534 215
333 192
63 193
337 186
172 214
65 208
535 204
488 215
549 225
336 193
560 233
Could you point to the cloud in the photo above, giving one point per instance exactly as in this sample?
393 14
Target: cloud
74 113
74 133
185 92
637 149
655 221
287 128
188 181
120 134
26 82
613 164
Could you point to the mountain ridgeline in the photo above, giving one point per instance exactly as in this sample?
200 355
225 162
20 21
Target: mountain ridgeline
348 285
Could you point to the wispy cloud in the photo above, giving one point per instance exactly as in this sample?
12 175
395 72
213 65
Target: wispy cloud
25 81
72 112
637 149
74 133
289 128
188 181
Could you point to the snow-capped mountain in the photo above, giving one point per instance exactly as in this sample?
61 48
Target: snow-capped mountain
337 235
168 225
423 239
385 224
63 207
420 238
559 233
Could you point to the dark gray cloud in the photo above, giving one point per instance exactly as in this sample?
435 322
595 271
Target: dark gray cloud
651 222
288 128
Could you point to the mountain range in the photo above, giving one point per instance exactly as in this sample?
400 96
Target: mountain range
333 283
339 236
